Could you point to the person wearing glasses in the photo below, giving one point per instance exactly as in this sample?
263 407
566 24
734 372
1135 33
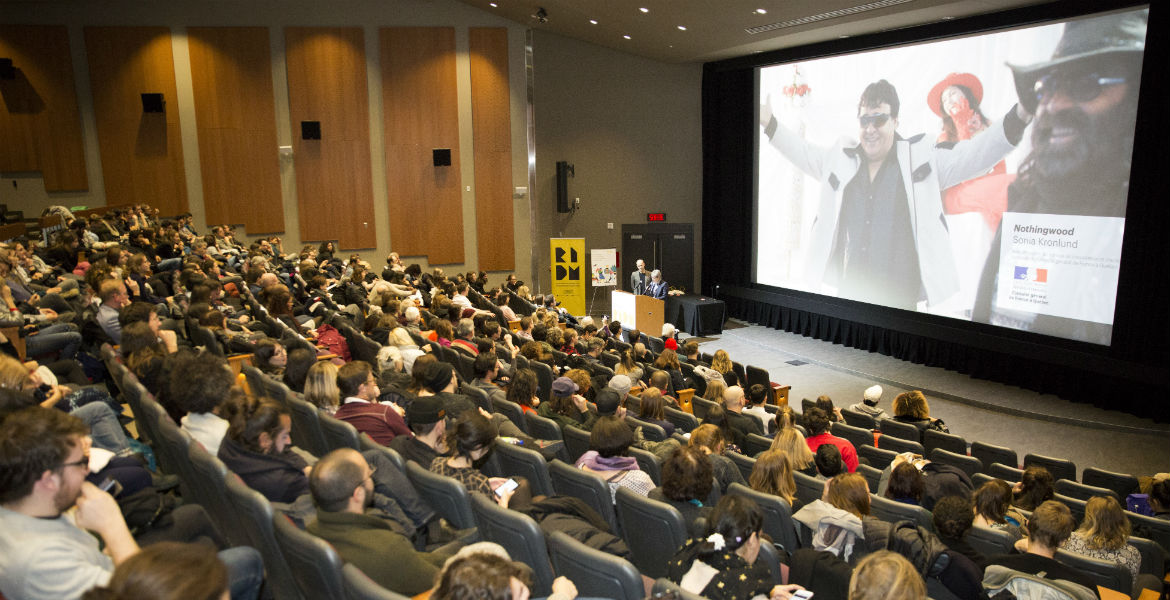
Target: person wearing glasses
342 485
1085 101
879 235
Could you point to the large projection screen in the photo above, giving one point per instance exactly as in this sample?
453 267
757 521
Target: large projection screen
1008 210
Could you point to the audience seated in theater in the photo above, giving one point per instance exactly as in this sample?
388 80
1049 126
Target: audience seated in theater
708 439
690 352
836 519
717 416
829 462
487 370
757 397
937 481
609 459
714 391
911 407
993 508
668 361
1034 488
257 448
584 382
270 357
427 419
721 562
953 516
202 395
522 390
869 403
660 381
816 421
626 365
772 474
491 577
825 403
296 369
409 351
567 407
721 362
1051 524
321 389
792 443
360 406
687 480
342 487
1160 499
886 575
1104 535
905 484
785 419
469 439
733 404
464 338
653 410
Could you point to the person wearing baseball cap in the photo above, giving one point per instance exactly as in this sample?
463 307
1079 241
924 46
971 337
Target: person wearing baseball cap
566 406
869 403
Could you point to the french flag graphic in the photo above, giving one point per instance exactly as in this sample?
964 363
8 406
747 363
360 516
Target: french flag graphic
1032 274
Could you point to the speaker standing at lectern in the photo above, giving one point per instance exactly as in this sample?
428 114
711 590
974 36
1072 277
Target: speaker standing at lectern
640 278
657 287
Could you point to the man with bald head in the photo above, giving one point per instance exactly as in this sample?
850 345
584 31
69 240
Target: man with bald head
733 404
342 487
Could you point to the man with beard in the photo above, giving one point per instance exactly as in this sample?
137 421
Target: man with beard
1085 101
880 235
342 487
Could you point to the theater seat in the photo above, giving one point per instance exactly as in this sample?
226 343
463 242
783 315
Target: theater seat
315 565
595 573
653 530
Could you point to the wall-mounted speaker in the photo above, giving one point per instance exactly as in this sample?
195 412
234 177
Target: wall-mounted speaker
7 71
310 130
441 157
153 103
564 172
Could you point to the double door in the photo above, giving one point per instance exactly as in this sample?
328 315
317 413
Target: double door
669 247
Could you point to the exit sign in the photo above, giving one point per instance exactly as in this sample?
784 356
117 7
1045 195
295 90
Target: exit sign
655 217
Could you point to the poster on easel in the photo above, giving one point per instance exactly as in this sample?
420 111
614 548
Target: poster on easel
603 266
568 273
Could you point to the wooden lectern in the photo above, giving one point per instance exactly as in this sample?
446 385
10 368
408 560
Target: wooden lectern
638 312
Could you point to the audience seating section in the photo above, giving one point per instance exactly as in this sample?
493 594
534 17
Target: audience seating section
653 530
338 433
519 534
1120 483
1059 467
859 420
968 464
932 439
900 430
570 481
990 454
594 573
777 516
315 565
256 515
448 497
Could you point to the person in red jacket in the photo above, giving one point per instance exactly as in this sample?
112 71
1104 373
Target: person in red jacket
817 423
360 408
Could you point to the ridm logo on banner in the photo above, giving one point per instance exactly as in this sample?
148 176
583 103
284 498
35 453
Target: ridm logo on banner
568 273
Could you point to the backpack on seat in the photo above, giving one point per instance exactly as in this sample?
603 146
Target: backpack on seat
1002 583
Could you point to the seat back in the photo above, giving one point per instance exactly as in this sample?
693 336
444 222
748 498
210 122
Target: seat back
777 515
879 458
1075 505
901 430
477 395
745 464
570 481
542 428
1155 529
857 436
899 445
1004 472
255 512
465 365
367 444
990 453
757 376
652 432
255 380
654 530
519 534
808 488
448 497
358 586
859 420
544 377
134 393
208 488
1081 491
171 450
306 427
337 433
576 442
683 421
968 464
701 406
740 372
990 541
648 462
202 336
932 439
514 461
1153 556
1059 467
276 390
1109 574
1122 484
315 565
873 477
595 573
513 411
893 511
754 443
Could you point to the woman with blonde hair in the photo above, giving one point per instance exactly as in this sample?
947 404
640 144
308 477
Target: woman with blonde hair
714 391
850 493
721 362
321 386
886 575
1104 535
772 474
792 443
627 366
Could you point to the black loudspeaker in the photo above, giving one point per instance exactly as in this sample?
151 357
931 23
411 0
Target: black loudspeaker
153 103
7 71
310 130
441 157
564 172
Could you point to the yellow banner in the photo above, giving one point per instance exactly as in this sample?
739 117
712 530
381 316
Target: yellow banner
568 273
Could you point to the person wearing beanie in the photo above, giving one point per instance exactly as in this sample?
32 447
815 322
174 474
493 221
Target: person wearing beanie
427 419
439 380
621 384
869 403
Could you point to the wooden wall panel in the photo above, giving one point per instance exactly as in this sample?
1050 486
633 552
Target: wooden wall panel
491 119
235 115
40 126
420 113
327 83
142 153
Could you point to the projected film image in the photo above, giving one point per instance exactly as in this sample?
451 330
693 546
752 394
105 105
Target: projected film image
982 178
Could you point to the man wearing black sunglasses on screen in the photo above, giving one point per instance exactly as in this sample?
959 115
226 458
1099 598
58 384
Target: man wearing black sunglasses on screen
1085 101
880 234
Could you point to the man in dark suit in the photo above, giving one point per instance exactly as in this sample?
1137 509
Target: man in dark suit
657 287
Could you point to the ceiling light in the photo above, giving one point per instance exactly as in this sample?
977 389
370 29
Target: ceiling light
592 21
761 11
682 28
626 37
493 5
644 9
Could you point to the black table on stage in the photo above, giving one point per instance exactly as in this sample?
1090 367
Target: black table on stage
696 315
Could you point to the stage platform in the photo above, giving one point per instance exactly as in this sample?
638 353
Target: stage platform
973 408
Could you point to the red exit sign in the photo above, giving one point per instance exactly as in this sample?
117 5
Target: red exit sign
653 217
